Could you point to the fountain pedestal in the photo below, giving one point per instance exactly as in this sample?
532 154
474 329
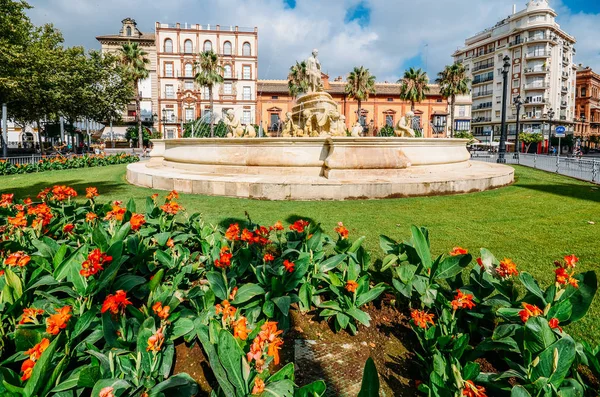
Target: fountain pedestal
316 112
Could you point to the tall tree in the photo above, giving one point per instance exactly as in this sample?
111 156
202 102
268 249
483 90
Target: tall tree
413 86
136 61
209 72
359 85
297 79
453 81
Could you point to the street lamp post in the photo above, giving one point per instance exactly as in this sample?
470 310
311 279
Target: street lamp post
550 117
164 120
502 147
518 103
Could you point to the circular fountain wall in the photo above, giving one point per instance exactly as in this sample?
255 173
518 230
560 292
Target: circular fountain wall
320 168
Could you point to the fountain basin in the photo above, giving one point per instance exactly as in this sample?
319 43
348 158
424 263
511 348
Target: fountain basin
320 168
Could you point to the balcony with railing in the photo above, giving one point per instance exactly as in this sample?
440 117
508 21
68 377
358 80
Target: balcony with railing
482 93
482 120
516 42
483 66
564 89
481 106
537 54
537 86
563 104
538 101
538 70
533 39
481 80
484 52
565 75
565 60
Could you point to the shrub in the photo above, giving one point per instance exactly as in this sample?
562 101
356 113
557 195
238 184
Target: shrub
65 163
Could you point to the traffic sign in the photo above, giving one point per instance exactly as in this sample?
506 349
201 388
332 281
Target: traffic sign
560 131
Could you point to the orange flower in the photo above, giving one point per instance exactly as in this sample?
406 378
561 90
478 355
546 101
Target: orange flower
289 266
233 293
44 193
36 351
171 208
224 260
6 200
233 232
225 309
94 263
553 323
18 220
43 215
170 243
573 281
472 390
421 318
117 213
462 301
571 261
507 268
529 311
278 226
273 349
155 341
27 368
58 321
239 328
342 231
351 286
137 221
161 311
91 192
172 195
90 217
562 277
116 303
456 251
106 392
61 193
68 228
19 258
261 235
247 236
299 226
154 196
268 257
30 314
259 386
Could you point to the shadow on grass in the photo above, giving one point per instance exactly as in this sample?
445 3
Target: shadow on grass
77 184
580 192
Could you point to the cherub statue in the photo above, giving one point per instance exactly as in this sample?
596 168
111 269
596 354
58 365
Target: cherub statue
336 127
310 124
404 126
236 128
289 128
357 129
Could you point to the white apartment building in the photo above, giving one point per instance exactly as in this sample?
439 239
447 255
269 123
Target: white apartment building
542 72
180 99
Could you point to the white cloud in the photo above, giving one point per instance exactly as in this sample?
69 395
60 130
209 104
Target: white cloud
397 32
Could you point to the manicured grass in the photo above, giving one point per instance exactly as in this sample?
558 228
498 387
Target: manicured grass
539 219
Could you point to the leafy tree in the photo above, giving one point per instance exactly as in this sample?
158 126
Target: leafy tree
359 85
131 134
136 60
530 137
298 79
413 86
209 73
453 81
464 135
201 129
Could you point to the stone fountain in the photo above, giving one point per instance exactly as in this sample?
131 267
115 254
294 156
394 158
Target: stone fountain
315 160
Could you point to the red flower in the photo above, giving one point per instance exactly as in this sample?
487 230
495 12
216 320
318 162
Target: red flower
268 258
91 192
116 303
18 220
224 258
94 263
278 226
421 318
507 268
58 321
571 261
6 200
456 251
529 311
342 231
44 193
43 215
554 324
462 301
19 258
233 232
299 226
61 193
36 351
351 286
289 266
562 277
247 236
480 263
27 368
472 390
137 221
68 228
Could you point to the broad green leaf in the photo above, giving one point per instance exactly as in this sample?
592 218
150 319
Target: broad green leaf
421 246
230 355
451 266
532 286
42 368
217 284
332 262
247 292
370 381
181 385
118 385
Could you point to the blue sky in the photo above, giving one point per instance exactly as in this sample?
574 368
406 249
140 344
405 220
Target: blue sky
386 36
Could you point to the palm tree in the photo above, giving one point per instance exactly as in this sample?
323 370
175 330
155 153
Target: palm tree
297 79
453 81
209 72
413 86
359 85
135 60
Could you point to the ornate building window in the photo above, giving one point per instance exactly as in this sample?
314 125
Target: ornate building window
246 75
168 45
227 89
246 49
207 45
227 71
227 48
246 117
188 47
128 30
247 93
189 70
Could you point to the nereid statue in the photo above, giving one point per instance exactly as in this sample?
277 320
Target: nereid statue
235 127
404 126
289 128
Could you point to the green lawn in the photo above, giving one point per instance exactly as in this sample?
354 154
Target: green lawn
539 219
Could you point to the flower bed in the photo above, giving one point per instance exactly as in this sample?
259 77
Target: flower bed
64 163
95 297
